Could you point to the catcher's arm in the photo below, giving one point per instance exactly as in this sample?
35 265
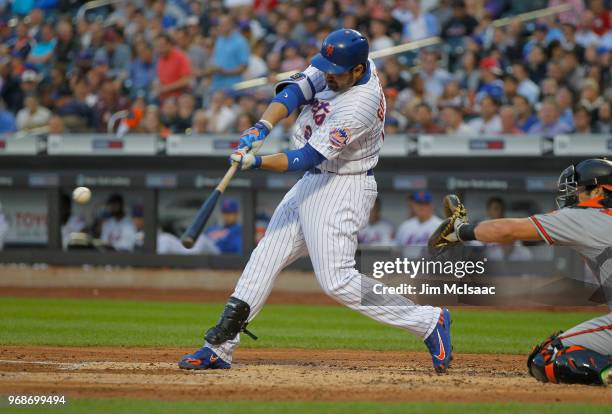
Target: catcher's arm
506 230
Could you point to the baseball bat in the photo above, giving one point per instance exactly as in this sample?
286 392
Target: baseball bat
190 236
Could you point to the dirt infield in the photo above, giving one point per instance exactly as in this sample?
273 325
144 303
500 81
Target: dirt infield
278 374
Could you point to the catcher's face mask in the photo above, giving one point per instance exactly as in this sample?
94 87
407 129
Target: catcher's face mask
568 188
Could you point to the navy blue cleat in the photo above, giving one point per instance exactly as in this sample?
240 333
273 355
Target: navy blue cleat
439 343
203 358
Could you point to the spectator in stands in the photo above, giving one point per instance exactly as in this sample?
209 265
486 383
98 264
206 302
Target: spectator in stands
67 45
173 69
36 20
188 42
21 43
507 116
565 99
453 96
42 52
22 8
424 121
152 121
549 122
572 72
186 106
257 66
525 118
452 119
569 42
435 78
536 64
30 84
461 24
582 120
142 70
602 19
585 36
230 55
56 125
488 123
220 114
526 87
510 89
199 123
415 231
77 113
469 75
292 61
379 231
169 113
245 121
227 236
32 115
109 101
118 230
420 24
549 88
604 121
491 85
379 38
396 79
590 98
7 120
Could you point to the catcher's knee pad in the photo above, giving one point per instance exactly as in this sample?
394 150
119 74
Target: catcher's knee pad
552 362
233 320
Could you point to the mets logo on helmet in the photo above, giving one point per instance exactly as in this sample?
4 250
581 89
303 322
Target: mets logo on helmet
329 50
339 137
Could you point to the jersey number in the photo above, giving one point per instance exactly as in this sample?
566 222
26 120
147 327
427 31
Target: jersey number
320 109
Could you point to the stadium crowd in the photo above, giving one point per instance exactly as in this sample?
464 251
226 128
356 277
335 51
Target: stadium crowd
172 63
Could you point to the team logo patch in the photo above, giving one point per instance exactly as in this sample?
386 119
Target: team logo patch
339 137
329 50
297 76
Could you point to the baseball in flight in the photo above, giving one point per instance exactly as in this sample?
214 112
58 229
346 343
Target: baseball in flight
81 195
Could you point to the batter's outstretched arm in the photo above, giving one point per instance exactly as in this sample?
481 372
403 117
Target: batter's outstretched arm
285 102
506 230
301 159
274 113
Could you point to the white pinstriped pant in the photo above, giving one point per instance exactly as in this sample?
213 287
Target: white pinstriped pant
321 216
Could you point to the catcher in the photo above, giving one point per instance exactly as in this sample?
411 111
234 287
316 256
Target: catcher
583 354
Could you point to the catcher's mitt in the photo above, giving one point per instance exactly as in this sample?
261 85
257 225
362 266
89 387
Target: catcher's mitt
444 236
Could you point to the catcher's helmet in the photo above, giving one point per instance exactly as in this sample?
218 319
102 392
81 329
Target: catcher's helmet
341 51
587 174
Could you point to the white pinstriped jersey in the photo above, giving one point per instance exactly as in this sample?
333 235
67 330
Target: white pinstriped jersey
347 127
322 214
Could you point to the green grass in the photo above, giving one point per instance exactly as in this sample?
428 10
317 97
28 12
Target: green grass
70 322
117 406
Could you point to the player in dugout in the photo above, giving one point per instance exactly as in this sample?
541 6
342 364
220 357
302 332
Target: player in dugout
583 222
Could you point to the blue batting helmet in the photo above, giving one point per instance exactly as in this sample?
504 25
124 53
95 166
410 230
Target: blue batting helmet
341 51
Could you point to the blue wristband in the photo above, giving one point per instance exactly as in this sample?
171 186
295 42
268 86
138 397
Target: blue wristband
257 163
303 159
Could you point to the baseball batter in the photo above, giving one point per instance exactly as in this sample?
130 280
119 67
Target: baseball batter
582 354
338 139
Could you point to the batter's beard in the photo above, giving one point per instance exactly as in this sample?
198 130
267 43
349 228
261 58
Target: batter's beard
334 87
